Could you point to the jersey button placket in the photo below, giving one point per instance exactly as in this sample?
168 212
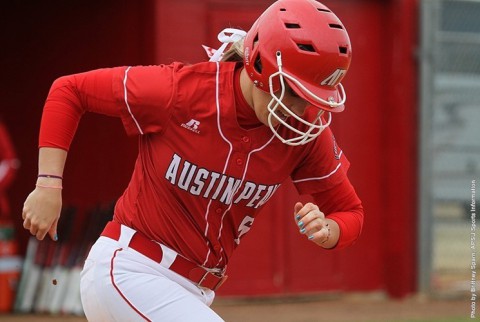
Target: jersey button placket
245 140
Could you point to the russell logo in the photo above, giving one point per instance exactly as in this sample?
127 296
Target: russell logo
192 125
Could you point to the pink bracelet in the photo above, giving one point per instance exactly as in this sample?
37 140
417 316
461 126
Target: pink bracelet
44 186
53 176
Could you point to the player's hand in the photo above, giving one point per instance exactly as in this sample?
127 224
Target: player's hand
41 212
311 222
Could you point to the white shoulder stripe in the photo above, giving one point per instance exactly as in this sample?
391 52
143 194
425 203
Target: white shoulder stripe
319 178
125 95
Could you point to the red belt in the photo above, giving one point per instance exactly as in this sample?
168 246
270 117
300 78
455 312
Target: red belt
180 265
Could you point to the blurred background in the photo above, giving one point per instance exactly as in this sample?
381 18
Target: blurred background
411 131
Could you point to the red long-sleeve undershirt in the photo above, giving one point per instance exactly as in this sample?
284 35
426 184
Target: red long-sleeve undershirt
69 98
342 205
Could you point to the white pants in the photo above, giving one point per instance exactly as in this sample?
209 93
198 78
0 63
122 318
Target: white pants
120 284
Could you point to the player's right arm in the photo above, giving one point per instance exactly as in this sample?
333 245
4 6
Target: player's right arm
68 99
114 92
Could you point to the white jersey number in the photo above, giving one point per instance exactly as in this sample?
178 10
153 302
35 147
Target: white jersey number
245 226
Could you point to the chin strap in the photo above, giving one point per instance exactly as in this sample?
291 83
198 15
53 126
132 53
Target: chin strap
226 36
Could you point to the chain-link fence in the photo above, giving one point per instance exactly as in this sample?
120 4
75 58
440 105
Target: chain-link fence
450 146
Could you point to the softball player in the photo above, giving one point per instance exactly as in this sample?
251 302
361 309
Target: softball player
216 140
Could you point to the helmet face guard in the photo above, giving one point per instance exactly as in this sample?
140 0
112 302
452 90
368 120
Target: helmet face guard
314 127
302 43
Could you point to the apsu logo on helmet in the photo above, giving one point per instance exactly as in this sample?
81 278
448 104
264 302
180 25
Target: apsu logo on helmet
334 78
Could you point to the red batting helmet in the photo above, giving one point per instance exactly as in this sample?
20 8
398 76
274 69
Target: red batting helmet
313 47
302 43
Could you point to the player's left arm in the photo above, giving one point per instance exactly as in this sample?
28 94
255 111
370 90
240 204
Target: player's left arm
334 219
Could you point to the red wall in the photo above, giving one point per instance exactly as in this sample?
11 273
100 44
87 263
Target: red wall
44 40
377 131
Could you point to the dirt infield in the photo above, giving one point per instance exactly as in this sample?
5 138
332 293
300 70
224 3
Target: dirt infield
352 308
347 309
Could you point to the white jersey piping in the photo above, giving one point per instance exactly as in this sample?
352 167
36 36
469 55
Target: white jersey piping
319 178
217 101
125 95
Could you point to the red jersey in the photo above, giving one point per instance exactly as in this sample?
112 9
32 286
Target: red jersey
200 178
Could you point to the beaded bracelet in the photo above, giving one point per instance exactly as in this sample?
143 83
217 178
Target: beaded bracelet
44 186
50 176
